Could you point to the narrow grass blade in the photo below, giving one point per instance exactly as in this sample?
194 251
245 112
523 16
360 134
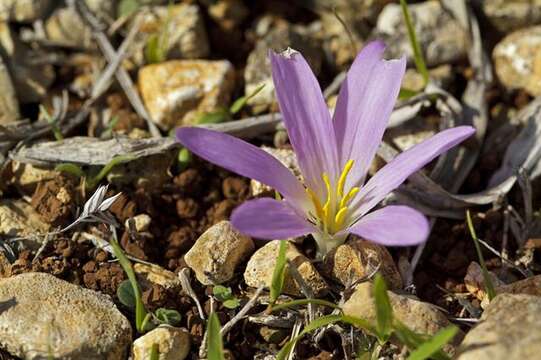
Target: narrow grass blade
384 310
417 53
279 273
489 287
215 347
241 102
434 344
413 340
300 302
154 352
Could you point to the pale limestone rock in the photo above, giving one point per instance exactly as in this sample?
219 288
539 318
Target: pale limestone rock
141 222
261 265
65 27
27 176
19 219
509 15
509 329
154 274
517 60
421 317
24 10
9 106
173 344
217 253
176 91
358 259
45 316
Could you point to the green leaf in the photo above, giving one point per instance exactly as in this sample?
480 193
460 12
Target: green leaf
489 287
406 94
222 293
53 122
168 316
434 344
125 294
417 53
184 158
70 169
215 347
279 273
241 102
127 7
154 352
117 160
154 52
214 117
413 340
384 311
232 303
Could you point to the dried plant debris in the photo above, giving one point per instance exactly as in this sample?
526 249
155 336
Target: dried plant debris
141 152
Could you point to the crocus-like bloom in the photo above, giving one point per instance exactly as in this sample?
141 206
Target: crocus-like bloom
334 155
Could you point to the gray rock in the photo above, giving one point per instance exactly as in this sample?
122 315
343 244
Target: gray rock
509 15
9 106
45 316
217 253
31 81
276 35
24 11
509 329
182 29
440 36
173 344
261 265
176 91
421 317
517 60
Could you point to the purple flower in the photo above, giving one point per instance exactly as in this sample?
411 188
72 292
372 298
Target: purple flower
334 156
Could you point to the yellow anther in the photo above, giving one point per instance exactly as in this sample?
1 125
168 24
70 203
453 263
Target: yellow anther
350 195
340 216
326 208
342 179
316 202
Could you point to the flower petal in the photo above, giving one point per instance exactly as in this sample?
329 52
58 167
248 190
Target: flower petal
244 159
401 167
306 117
269 219
393 226
363 108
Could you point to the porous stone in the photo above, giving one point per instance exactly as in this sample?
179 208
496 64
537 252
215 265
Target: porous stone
509 329
176 91
276 35
217 253
509 15
418 316
173 344
141 222
475 281
65 27
228 13
286 157
440 35
261 266
24 10
154 274
43 316
357 259
27 176
517 60
182 28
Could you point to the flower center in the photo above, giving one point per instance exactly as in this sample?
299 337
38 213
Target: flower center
331 215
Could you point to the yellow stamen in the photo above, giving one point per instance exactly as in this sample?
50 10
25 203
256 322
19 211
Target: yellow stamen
316 202
326 207
350 195
342 179
340 216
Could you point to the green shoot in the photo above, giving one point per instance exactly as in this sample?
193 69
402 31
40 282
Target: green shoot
384 310
413 340
93 182
489 287
154 352
141 315
417 52
225 296
279 273
434 345
353 46
167 316
184 158
215 347
108 132
127 7
156 46
243 100
70 169
53 122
